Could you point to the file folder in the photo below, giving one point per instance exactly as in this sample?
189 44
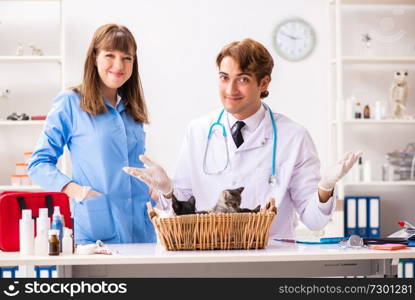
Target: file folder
350 216
408 269
374 216
362 228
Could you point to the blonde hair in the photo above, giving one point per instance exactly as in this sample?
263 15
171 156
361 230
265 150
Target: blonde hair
251 56
112 37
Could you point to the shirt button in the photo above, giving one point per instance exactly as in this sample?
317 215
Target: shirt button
234 182
126 162
129 199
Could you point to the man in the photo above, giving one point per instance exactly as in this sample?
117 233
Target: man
244 75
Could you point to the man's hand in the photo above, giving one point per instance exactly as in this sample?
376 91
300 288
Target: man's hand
335 172
153 175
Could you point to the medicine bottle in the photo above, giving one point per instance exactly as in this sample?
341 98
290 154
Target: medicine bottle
358 111
54 242
366 112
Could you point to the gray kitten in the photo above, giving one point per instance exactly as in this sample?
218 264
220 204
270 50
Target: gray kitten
230 202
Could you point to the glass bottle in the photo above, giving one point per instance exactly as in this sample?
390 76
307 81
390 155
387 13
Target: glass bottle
366 112
54 242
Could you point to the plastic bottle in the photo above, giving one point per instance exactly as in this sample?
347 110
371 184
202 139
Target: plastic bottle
54 244
41 242
378 110
43 222
67 242
367 171
57 223
27 232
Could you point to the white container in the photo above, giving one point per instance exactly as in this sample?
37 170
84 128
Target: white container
21 168
67 242
27 156
26 232
15 180
377 112
25 180
43 222
367 171
42 243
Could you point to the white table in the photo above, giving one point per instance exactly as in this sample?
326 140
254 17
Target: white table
279 259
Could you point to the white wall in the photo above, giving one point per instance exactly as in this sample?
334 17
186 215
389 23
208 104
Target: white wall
178 42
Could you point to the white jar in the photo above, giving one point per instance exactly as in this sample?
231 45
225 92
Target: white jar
27 156
25 180
21 168
15 180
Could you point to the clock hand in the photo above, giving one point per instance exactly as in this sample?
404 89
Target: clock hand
290 36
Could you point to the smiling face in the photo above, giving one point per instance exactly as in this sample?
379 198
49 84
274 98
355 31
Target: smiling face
114 68
240 91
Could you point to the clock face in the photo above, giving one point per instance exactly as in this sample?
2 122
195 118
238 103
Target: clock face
294 39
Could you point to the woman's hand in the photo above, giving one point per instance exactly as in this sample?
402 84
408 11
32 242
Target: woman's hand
79 192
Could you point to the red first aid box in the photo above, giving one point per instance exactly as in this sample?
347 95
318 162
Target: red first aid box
11 205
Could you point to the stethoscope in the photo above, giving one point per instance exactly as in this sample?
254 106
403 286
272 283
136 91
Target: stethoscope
272 178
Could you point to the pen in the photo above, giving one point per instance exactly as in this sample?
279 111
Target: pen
286 240
332 240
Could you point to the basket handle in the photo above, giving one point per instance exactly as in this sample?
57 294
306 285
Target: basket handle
150 211
270 206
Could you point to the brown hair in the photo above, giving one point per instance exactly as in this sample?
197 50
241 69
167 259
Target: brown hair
251 56
112 37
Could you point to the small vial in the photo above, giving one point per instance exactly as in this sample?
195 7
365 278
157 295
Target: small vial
366 112
358 111
54 242
360 169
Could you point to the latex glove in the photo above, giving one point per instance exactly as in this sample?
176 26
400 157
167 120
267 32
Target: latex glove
153 175
337 171
79 192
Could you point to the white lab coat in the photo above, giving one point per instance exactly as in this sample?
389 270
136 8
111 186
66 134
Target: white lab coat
297 170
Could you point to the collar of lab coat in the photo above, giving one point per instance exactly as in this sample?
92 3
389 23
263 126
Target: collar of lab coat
252 122
258 138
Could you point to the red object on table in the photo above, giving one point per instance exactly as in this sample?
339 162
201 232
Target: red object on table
38 118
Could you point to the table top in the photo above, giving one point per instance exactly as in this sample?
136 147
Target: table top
152 253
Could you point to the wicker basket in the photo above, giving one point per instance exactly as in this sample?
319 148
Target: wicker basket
215 231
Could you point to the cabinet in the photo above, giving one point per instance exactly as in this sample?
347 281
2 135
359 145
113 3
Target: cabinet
364 70
32 80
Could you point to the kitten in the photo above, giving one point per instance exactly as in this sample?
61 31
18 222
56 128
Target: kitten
185 207
230 202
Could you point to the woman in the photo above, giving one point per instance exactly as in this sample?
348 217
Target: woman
101 122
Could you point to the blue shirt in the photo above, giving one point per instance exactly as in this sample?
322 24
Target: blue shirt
100 146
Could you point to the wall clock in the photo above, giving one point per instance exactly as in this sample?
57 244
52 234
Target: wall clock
294 39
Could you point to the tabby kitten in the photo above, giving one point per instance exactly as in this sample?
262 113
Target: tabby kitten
230 202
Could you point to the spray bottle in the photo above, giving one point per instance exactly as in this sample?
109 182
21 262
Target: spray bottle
57 223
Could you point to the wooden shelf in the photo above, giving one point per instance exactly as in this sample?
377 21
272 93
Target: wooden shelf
31 58
376 60
381 183
21 123
20 188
